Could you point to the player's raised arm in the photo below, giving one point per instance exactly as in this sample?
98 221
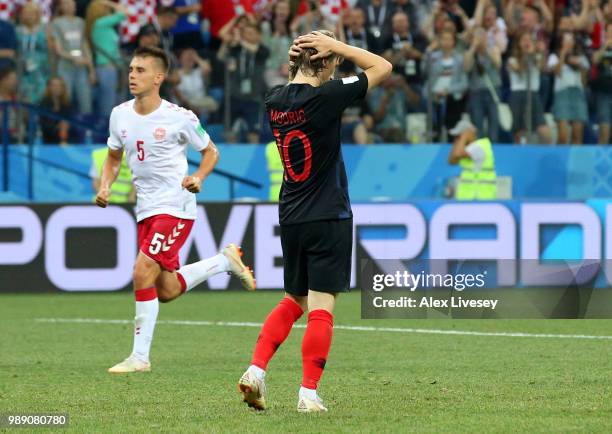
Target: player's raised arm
375 67
110 170
210 157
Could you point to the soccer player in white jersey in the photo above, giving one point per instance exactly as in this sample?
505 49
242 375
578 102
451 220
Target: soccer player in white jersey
155 134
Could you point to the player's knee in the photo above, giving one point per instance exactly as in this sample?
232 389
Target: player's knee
301 301
138 276
144 271
321 300
141 275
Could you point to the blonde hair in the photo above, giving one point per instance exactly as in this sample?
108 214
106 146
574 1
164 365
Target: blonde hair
96 9
311 67
34 7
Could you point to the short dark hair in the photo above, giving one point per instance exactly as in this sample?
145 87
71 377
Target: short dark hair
156 53
303 62
7 70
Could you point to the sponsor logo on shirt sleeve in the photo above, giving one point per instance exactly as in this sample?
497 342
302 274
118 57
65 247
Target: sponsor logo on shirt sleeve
349 80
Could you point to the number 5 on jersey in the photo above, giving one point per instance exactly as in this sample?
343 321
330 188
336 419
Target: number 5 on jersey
156 242
160 242
140 148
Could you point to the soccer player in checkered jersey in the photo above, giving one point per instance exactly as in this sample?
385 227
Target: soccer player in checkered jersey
155 134
316 227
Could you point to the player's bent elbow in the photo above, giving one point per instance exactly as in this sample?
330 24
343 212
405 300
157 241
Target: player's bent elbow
388 67
212 152
379 73
215 156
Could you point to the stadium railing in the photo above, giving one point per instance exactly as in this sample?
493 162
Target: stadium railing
32 126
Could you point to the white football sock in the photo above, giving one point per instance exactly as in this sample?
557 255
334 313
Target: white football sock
257 371
308 393
198 272
144 324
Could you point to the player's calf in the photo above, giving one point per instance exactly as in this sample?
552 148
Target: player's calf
275 330
166 295
169 287
315 348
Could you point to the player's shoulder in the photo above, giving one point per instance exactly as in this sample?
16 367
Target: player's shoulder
338 82
178 113
124 105
339 88
123 108
274 92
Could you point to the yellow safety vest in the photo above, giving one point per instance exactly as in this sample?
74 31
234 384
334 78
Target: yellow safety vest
276 171
481 184
120 190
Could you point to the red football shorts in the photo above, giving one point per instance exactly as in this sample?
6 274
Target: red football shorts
160 237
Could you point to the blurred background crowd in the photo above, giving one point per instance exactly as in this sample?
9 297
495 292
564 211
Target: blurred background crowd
65 62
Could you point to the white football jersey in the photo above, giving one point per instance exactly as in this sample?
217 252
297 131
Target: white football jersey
156 150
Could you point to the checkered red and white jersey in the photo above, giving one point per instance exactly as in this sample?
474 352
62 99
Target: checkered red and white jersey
332 9
139 13
10 8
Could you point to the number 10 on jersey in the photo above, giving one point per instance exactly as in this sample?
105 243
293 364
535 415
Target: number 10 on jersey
283 149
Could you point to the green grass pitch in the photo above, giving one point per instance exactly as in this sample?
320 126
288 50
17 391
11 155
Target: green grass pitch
375 381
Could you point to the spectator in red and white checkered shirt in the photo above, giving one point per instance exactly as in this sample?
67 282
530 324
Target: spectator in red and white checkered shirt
139 13
10 8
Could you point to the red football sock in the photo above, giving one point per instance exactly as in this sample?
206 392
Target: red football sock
315 346
275 330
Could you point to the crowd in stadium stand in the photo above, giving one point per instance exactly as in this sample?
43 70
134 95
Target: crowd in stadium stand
551 60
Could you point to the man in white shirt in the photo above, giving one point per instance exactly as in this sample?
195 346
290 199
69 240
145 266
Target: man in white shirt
154 134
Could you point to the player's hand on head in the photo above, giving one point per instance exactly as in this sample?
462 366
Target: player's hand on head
294 50
193 184
102 197
320 42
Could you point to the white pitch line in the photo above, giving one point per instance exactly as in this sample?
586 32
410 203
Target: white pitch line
336 327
